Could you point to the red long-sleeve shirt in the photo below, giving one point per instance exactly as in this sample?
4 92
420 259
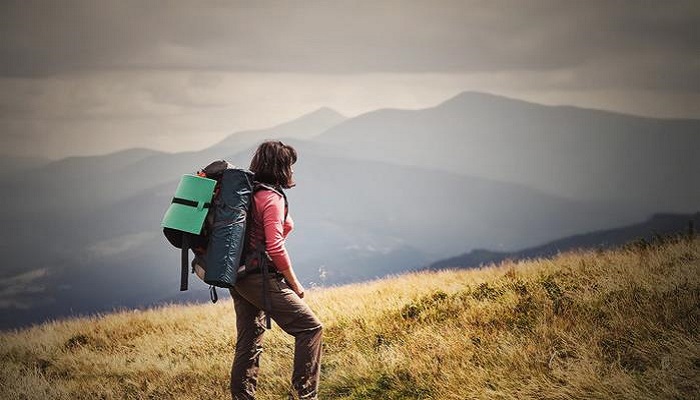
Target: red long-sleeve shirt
268 220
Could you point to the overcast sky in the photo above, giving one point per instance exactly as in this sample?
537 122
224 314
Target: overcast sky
91 77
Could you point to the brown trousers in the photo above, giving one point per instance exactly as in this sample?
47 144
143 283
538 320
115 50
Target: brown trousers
293 315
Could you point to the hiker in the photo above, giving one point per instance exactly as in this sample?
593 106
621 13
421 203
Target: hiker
269 226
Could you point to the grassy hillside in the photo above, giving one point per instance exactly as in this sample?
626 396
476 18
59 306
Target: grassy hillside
603 325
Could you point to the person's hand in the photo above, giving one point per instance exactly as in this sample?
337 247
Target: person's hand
293 282
298 289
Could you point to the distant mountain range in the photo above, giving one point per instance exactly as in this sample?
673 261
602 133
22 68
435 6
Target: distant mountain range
658 226
584 154
380 193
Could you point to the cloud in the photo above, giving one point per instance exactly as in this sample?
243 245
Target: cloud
45 38
103 111
119 244
20 291
86 77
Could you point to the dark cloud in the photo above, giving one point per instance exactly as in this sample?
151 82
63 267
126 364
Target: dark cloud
620 43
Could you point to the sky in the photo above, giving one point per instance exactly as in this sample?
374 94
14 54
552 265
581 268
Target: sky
93 77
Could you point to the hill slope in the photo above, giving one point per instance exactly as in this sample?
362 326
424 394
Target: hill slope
607 324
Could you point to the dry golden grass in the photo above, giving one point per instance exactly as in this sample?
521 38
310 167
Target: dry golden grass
583 325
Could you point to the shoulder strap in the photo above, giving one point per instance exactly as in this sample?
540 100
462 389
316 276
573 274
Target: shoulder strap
257 186
264 186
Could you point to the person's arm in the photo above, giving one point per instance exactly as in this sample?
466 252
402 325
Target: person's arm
273 216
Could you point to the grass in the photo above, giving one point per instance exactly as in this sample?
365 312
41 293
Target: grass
583 325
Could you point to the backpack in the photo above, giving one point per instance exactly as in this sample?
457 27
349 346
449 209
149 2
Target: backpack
209 215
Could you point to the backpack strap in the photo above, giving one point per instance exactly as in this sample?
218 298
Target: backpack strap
184 260
257 186
191 203
277 189
266 295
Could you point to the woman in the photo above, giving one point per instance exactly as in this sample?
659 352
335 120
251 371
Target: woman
270 225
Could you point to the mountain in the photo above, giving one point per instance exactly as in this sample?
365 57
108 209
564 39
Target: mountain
10 165
371 218
581 325
354 220
64 192
77 184
116 255
306 127
83 234
659 225
567 151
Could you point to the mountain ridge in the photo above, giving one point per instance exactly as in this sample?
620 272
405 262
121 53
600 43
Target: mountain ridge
569 151
304 127
658 225
470 96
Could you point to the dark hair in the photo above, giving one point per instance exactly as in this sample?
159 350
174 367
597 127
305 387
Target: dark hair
272 163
